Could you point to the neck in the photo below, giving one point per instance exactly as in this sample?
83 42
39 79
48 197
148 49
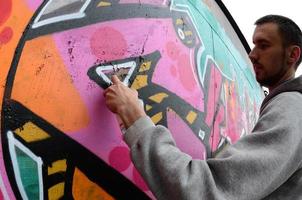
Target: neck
289 75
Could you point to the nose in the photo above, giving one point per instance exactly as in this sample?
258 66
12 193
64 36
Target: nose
253 55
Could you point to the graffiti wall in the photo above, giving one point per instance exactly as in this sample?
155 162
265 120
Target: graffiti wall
58 139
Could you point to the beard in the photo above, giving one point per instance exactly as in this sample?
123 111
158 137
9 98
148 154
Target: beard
271 80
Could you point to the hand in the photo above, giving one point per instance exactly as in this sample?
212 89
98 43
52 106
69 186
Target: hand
123 101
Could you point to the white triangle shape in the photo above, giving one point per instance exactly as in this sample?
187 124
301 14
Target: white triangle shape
131 65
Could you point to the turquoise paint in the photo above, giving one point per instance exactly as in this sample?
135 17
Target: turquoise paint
225 54
29 174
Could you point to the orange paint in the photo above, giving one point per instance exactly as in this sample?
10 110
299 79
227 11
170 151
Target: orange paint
43 85
83 188
17 23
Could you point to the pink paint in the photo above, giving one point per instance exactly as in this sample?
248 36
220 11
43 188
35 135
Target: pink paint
5 10
103 133
1 195
173 70
185 73
185 139
139 180
173 50
6 35
214 94
4 176
215 133
85 56
214 91
112 47
135 32
119 158
81 48
234 115
249 119
152 2
34 4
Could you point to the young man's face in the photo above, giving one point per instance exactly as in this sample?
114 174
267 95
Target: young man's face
268 55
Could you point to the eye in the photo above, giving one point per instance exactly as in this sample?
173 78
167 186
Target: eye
184 30
263 46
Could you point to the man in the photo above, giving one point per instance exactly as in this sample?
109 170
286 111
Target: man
266 164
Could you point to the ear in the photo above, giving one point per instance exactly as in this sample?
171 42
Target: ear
294 53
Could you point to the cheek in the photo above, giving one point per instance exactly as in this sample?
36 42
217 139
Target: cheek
273 56
276 62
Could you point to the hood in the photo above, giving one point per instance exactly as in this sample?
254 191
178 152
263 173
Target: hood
288 86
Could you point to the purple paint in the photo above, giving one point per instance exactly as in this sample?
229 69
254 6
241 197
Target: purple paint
152 2
185 139
153 33
33 4
84 47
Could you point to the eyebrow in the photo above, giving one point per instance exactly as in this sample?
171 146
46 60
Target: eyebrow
261 41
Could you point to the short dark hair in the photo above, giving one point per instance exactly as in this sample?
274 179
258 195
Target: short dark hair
290 31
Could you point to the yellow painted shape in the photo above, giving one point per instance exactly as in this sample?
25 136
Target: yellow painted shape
139 82
188 33
31 133
104 3
56 191
145 66
148 107
179 21
43 85
83 188
191 117
157 117
57 166
158 97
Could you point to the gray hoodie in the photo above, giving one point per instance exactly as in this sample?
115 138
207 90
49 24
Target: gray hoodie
266 164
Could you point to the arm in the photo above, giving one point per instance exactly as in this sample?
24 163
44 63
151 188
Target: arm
250 169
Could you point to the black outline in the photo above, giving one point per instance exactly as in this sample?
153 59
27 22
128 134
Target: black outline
92 17
234 25
62 147
174 102
102 14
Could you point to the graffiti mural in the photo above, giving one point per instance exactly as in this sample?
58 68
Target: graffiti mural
58 139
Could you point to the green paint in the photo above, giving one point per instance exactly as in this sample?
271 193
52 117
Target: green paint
29 174
218 45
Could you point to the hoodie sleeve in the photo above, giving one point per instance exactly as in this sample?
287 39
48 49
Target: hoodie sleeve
252 168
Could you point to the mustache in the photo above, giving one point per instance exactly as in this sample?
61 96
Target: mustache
255 62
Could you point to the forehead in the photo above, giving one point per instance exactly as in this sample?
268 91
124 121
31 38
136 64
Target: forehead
267 32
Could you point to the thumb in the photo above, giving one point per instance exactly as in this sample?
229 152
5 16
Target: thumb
115 79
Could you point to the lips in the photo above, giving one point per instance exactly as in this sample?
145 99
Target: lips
257 66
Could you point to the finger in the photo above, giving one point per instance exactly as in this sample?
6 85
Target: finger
106 91
115 79
134 90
